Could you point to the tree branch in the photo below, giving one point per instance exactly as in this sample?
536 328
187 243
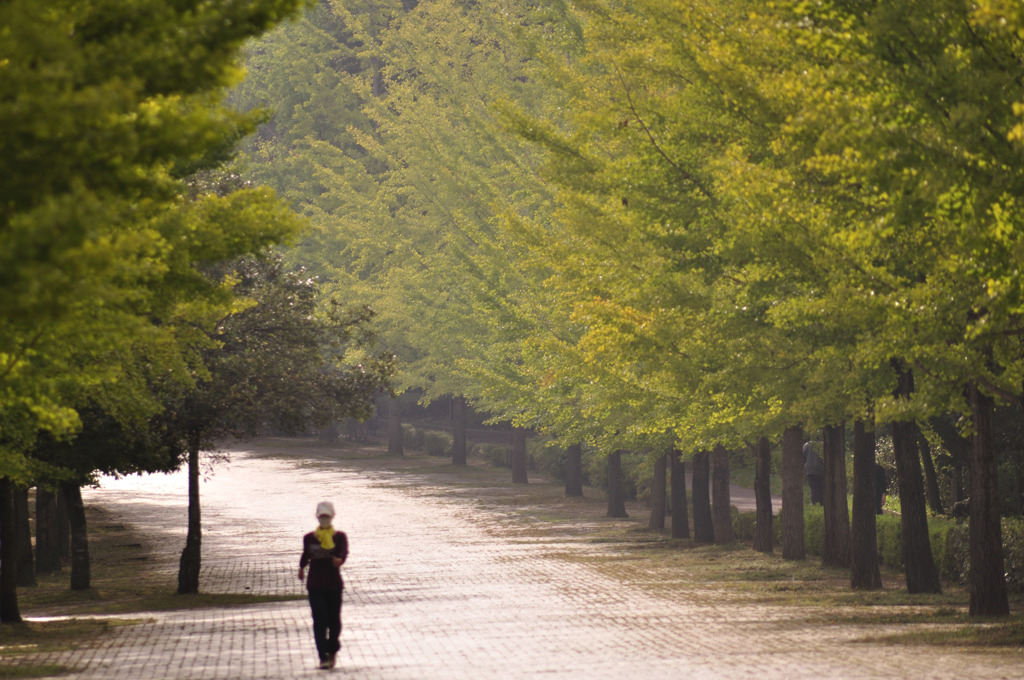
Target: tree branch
688 176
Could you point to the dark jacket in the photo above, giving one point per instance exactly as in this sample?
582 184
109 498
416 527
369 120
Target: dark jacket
812 461
323 575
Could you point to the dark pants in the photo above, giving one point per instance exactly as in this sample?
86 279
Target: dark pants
817 484
326 607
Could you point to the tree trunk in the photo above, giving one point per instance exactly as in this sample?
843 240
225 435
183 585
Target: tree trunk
395 446
1019 469
616 492
191 555
763 537
959 449
80 574
574 470
677 500
836 549
658 493
458 431
919 565
703 526
9 612
47 534
864 573
931 480
721 509
987 578
1018 456
23 531
956 486
519 456
793 547
63 528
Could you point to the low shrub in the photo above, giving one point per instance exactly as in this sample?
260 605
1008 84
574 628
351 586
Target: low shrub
542 457
889 531
955 555
1013 553
437 443
814 529
743 524
413 437
497 455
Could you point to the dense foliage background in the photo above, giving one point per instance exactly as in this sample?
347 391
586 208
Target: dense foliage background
632 225
649 224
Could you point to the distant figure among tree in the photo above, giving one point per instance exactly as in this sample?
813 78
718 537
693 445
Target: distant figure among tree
815 473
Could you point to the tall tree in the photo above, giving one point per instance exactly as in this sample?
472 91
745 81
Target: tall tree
10 612
283 361
721 500
918 563
703 524
680 514
987 578
86 256
23 531
96 247
686 230
658 493
944 203
110 441
407 200
931 479
793 494
864 572
763 535
81 567
836 549
48 553
616 489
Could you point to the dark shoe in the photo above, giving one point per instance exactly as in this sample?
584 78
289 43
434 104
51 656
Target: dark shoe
332 660
326 663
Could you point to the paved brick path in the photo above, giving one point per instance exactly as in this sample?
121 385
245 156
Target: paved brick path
433 591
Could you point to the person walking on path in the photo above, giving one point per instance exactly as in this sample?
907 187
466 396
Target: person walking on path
815 472
324 550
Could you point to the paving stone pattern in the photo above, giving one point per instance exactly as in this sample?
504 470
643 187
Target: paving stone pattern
433 591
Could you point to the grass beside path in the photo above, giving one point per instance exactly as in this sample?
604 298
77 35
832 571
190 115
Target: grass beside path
125 579
126 584
39 637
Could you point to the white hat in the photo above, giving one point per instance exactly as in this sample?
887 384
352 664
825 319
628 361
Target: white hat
325 508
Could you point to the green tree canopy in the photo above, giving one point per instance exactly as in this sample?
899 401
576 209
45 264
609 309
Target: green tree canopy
106 106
